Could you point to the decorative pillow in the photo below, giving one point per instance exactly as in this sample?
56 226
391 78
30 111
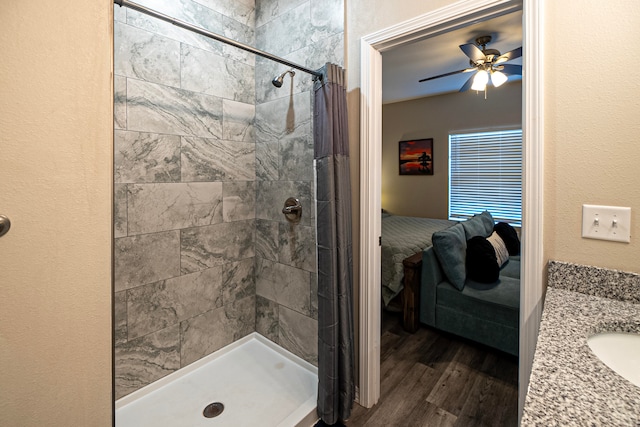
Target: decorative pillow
479 225
502 254
510 237
482 263
450 247
485 258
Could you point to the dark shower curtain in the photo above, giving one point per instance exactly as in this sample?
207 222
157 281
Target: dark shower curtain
336 387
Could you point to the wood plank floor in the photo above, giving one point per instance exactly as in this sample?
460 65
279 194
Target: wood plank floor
435 379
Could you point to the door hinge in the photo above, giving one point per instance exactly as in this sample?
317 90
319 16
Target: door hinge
379 240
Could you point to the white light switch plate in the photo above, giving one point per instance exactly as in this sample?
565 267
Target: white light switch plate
606 223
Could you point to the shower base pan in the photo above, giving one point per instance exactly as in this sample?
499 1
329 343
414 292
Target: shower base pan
257 382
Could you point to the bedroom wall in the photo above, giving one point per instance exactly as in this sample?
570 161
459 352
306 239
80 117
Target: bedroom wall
435 117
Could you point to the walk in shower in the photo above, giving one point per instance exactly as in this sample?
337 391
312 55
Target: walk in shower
207 150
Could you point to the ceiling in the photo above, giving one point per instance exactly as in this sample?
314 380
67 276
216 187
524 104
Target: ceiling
403 66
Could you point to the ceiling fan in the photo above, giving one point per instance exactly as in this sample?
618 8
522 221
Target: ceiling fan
488 64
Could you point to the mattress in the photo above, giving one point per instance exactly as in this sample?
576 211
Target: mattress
403 236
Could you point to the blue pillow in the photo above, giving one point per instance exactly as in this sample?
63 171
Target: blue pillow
450 246
479 225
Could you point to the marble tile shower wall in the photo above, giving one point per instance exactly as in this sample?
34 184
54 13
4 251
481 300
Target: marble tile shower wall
311 34
206 152
185 187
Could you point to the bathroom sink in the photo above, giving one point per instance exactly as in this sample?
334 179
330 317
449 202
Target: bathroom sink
620 351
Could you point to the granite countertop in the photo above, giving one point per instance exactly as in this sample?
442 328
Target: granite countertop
569 385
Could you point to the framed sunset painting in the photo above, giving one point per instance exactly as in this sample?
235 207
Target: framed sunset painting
416 157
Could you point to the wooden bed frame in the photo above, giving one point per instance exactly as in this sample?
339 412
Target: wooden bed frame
411 292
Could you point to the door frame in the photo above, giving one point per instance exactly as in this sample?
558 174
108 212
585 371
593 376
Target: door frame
442 20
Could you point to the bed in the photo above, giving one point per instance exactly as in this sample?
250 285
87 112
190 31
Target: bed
403 236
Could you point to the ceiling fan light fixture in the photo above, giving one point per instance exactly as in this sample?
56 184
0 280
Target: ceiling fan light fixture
480 80
498 78
487 66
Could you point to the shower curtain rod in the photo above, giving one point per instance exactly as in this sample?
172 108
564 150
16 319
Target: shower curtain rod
223 39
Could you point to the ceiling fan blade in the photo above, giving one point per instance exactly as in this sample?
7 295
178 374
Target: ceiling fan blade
511 69
473 52
512 54
466 70
467 85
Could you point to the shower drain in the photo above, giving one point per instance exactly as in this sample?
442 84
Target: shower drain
213 410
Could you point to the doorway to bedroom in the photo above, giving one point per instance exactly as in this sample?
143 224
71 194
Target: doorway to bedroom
447 372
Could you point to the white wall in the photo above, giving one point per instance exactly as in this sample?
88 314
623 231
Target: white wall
435 117
55 171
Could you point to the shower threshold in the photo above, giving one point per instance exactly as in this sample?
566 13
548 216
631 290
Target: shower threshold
256 382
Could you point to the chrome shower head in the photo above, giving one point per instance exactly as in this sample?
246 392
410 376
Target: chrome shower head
277 81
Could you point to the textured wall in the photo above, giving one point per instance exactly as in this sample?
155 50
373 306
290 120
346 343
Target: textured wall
311 34
435 117
185 191
55 169
591 128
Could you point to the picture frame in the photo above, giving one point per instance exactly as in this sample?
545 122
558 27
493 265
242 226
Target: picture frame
415 157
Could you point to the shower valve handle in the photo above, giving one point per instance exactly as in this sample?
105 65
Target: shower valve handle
292 209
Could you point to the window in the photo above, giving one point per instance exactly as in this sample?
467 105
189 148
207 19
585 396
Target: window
485 173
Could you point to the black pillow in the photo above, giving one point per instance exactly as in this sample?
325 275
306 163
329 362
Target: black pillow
486 256
509 236
481 260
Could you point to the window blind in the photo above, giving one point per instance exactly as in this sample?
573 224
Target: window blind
485 173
